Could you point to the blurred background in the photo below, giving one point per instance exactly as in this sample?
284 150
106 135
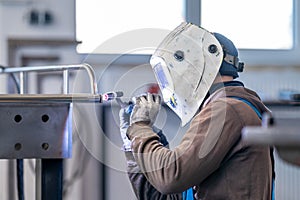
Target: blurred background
117 38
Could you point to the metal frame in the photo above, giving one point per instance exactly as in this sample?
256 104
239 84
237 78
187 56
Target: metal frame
64 68
49 172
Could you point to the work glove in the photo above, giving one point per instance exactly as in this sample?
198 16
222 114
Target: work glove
146 109
124 115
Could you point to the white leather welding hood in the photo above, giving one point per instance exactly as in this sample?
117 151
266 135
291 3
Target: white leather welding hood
185 65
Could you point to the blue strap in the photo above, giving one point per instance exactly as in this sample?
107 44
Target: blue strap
273 189
249 104
188 194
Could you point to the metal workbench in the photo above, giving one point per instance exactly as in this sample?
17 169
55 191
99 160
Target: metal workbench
39 125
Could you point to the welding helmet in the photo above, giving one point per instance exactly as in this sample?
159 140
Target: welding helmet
185 65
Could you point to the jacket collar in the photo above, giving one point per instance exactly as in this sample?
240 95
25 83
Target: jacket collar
217 86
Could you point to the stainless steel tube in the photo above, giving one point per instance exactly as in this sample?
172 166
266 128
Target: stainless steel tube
22 82
85 66
66 81
50 98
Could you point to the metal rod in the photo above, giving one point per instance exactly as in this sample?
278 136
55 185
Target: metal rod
85 66
20 163
66 81
275 135
22 82
38 179
50 98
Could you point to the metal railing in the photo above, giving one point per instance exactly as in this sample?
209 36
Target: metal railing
63 97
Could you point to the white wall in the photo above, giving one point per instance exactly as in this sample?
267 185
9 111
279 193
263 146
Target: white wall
16 16
269 81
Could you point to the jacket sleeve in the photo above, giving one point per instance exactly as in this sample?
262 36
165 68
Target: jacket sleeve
210 136
141 186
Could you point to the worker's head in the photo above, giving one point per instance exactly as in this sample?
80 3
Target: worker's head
187 63
230 65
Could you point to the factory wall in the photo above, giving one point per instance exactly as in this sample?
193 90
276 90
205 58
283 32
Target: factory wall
268 81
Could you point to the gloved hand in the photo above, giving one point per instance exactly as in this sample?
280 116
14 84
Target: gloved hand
146 109
124 115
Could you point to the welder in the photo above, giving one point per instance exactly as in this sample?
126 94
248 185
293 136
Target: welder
196 71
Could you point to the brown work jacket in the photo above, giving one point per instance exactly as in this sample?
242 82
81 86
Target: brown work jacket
212 158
